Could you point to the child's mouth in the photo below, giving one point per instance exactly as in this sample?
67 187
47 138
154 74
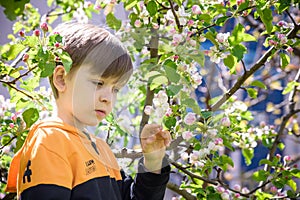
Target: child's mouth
100 113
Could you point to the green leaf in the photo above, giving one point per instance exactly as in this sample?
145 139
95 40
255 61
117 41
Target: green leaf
230 61
266 17
260 175
238 35
292 184
31 41
206 114
191 103
5 139
13 9
169 122
265 162
221 21
170 68
284 60
226 160
199 58
14 50
174 89
248 155
259 84
113 22
290 86
30 116
48 69
152 8
238 51
158 81
66 60
252 92
130 3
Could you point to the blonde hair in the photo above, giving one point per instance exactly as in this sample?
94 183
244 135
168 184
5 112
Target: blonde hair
90 44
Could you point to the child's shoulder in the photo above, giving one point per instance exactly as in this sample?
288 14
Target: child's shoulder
52 128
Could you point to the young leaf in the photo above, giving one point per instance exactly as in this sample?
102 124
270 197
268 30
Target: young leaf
259 84
30 116
252 93
284 60
248 155
152 8
230 61
113 22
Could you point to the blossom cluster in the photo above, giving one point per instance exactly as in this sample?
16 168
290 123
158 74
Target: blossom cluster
160 107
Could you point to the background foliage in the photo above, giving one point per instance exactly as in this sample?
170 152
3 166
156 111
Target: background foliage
194 74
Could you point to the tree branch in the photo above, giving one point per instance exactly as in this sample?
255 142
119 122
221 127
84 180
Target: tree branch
247 74
181 192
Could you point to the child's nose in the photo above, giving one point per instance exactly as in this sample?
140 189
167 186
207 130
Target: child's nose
106 95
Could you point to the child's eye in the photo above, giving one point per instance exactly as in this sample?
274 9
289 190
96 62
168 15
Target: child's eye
99 83
116 90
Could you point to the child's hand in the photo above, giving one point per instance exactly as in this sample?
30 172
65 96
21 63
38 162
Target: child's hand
154 141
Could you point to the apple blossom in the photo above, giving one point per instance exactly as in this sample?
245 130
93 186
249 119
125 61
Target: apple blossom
225 121
187 135
148 110
196 9
184 156
237 187
225 196
223 37
190 23
289 49
190 118
138 23
220 189
11 125
245 190
169 112
273 189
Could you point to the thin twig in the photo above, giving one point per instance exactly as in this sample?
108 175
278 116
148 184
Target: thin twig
175 16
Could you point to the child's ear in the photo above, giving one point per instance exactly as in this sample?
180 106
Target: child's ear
59 78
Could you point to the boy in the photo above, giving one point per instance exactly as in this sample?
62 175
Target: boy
60 160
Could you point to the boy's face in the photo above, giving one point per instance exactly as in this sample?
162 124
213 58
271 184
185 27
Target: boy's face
88 98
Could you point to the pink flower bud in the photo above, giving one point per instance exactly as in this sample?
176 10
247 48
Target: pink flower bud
287 158
11 125
237 187
225 121
220 189
57 44
278 156
36 33
190 118
281 23
137 23
175 57
25 57
57 59
239 2
187 135
148 110
44 27
169 112
273 189
196 10
22 33
190 23
289 49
